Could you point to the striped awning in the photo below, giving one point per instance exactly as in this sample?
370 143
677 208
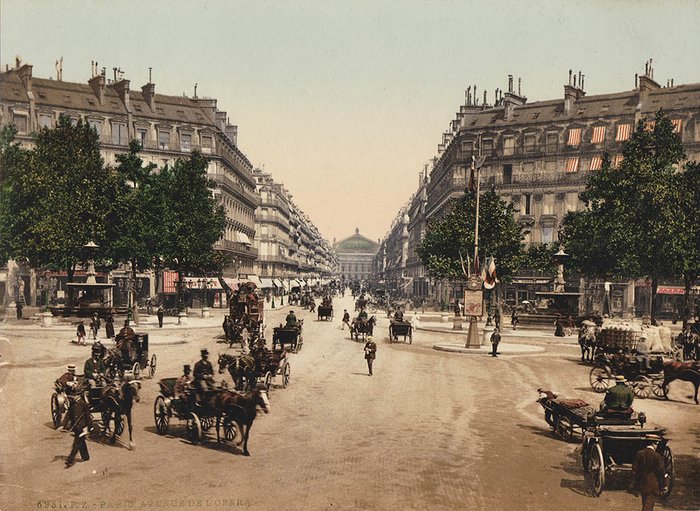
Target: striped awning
649 125
278 283
242 237
572 164
617 161
170 282
198 282
598 135
574 136
596 163
677 125
623 132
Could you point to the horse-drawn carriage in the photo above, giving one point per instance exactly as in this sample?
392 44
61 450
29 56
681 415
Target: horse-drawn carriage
645 373
325 312
565 416
135 358
400 329
360 304
246 311
362 328
289 335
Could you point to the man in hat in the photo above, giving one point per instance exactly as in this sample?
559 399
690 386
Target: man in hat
495 341
370 353
203 374
160 314
346 319
95 325
618 398
649 476
68 380
291 320
94 366
79 422
182 384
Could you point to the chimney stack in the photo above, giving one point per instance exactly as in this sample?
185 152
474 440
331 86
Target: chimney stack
122 89
97 84
25 75
149 93
572 93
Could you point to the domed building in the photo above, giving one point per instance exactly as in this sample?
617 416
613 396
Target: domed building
355 255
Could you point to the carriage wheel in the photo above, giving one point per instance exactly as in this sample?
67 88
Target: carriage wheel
586 457
152 368
596 469
564 428
268 380
136 370
641 387
297 346
56 413
160 415
598 378
669 467
207 423
194 428
657 387
286 375
391 336
232 431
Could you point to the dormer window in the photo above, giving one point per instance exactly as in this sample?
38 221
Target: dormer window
164 139
119 133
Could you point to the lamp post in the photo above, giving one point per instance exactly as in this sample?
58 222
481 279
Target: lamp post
205 283
475 282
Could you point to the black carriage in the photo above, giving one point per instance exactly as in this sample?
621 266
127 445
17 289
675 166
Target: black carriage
400 329
288 335
60 402
644 379
565 416
198 418
610 446
138 361
360 303
276 365
360 328
325 312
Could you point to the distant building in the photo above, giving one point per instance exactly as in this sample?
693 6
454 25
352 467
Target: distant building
355 255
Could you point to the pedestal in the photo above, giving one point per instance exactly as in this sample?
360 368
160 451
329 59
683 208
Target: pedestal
206 312
182 318
457 324
46 319
473 340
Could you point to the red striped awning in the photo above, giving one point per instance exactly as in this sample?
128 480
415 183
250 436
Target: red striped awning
623 132
596 163
667 290
598 135
617 161
574 136
649 125
677 125
572 164
170 282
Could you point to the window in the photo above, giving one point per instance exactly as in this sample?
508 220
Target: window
677 125
45 121
163 139
574 137
264 212
547 234
623 132
552 142
548 204
617 160
598 136
527 203
507 174
95 124
141 136
508 146
487 146
119 135
530 142
185 141
20 122
263 230
467 148
596 163
206 144
572 164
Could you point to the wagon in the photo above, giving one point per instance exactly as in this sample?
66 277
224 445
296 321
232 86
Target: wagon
400 328
278 365
325 313
198 418
644 381
291 336
566 416
610 446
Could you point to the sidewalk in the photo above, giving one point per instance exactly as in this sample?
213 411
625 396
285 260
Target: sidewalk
485 350
543 335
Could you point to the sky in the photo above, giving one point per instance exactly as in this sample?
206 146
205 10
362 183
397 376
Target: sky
346 101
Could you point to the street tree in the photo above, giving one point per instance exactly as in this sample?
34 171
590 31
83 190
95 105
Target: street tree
193 221
629 227
450 240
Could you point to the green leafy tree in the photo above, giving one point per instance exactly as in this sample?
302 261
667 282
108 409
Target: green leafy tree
56 197
538 257
628 229
193 221
500 236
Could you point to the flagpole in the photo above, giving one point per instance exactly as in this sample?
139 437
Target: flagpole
476 223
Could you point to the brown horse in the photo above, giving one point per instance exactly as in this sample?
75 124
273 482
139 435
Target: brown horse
685 371
241 369
241 409
117 400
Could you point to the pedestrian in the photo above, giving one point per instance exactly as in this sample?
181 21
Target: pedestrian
514 318
160 316
497 318
95 325
81 333
558 326
19 309
570 325
109 325
346 319
370 353
495 341
79 423
649 476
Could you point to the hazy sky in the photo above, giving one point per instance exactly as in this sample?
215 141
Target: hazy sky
345 101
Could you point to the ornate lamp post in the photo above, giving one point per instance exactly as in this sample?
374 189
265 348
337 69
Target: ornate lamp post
204 284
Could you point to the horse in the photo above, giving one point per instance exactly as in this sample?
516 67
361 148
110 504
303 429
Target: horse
690 343
241 409
685 371
587 341
241 369
365 328
118 399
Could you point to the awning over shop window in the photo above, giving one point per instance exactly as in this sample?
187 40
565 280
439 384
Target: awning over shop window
279 283
667 290
266 283
255 280
170 282
199 283
242 237
231 282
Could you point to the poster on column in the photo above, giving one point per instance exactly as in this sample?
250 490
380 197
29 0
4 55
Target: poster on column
473 303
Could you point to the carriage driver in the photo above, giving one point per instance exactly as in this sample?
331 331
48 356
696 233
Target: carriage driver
203 375
68 380
619 398
362 316
182 384
291 320
94 367
398 315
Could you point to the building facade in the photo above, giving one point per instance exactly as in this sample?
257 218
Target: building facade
356 255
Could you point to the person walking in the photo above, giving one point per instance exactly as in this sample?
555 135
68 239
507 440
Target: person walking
559 326
570 325
160 316
79 423
95 325
346 319
648 476
495 341
497 318
370 353
109 325
514 318
19 307
81 333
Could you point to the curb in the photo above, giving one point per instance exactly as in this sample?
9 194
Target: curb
503 349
